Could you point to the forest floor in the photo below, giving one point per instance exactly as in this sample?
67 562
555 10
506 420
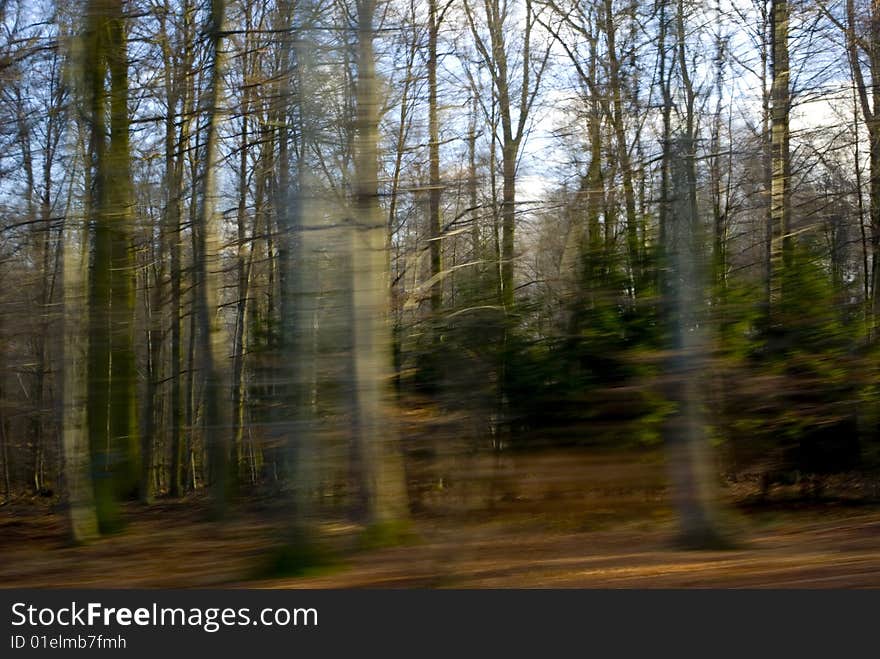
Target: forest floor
562 519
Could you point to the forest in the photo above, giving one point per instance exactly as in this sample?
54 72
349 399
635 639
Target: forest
386 292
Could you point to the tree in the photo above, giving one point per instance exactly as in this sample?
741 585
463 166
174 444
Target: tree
780 190
74 387
112 409
435 18
687 445
860 46
377 446
177 55
298 262
212 338
514 109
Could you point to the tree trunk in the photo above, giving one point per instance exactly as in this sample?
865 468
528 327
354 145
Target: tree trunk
375 435
434 187
74 386
687 445
664 80
780 192
473 187
243 281
99 296
617 118
152 430
690 468
213 342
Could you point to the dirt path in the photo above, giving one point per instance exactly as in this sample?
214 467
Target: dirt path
556 519
818 548
843 552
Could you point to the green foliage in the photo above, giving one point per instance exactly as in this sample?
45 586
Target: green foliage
738 313
810 316
791 376
590 372
787 385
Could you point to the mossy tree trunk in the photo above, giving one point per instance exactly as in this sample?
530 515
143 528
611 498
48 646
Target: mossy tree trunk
112 376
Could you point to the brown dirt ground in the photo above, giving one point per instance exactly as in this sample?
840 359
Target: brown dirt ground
558 520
